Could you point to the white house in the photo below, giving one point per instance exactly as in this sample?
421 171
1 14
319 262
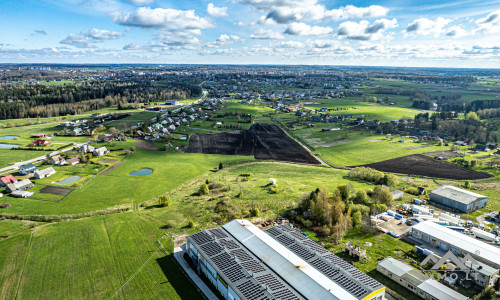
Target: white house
44 173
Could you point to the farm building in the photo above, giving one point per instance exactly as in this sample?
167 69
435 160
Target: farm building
171 102
22 194
244 262
22 185
397 194
27 169
5 180
416 281
39 135
57 160
100 152
459 199
44 173
458 243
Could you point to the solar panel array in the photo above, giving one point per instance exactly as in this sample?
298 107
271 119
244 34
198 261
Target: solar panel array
338 270
247 275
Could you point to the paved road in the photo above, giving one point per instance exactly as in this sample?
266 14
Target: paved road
17 165
178 254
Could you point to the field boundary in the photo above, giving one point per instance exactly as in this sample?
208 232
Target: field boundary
24 265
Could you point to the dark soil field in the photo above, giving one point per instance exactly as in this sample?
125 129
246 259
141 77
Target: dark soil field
145 145
423 165
55 190
263 141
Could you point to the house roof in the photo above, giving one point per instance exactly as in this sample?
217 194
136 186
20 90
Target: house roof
460 241
28 166
19 184
8 179
456 194
440 291
45 171
74 159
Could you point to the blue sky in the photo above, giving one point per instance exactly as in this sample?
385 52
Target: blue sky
461 33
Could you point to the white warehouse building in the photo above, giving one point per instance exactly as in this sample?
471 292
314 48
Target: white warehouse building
458 243
244 262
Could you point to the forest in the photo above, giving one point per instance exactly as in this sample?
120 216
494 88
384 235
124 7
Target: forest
22 100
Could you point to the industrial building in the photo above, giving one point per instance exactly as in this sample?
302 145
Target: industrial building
458 243
459 199
416 281
244 262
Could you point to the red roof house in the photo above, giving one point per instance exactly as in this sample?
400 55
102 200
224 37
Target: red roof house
4 181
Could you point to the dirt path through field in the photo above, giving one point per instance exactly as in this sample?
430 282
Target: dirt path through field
108 170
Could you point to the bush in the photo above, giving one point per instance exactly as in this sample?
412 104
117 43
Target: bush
467 184
221 166
171 224
382 196
367 174
413 191
191 224
246 174
240 195
357 218
346 191
164 201
204 189
215 185
272 189
254 212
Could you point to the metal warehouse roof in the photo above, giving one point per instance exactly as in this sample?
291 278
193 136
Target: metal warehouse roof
460 241
395 266
440 291
337 270
456 194
306 279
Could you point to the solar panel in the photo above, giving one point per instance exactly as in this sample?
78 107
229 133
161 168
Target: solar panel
274 231
271 282
325 268
241 254
211 248
285 240
234 274
251 290
314 246
223 261
284 295
201 238
229 244
301 251
253 265
298 235
218 233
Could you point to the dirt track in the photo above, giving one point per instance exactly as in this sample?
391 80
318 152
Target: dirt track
263 141
423 165
108 170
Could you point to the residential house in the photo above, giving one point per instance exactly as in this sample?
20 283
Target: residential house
5 180
86 149
21 185
27 169
482 148
40 143
57 160
44 173
22 194
73 161
100 151
39 135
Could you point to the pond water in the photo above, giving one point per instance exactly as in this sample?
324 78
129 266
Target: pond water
68 180
8 146
9 137
141 172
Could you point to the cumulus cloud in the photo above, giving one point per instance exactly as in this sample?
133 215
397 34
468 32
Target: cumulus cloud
307 30
103 35
40 32
132 46
489 24
140 2
291 44
266 34
364 31
163 18
78 41
456 32
287 11
216 12
426 27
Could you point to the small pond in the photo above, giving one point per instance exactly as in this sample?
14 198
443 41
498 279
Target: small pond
141 172
8 146
9 137
68 180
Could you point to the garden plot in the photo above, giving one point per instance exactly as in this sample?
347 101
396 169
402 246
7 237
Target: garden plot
55 190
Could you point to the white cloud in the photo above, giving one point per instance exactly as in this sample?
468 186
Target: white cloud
164 18
266 34
132 46
216 12
363 31
140 2
489 24
307 30
291 44
78 41
100 34
426 27
456 32
224 40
